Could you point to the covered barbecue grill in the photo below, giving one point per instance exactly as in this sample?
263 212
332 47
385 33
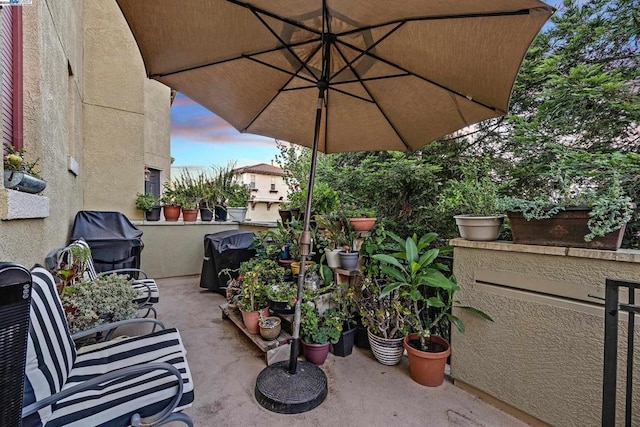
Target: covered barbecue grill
114 241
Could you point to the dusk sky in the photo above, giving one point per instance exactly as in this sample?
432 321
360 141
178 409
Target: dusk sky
199 138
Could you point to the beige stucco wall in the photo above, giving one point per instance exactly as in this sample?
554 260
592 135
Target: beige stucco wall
127 116
86 98
52 45
544 353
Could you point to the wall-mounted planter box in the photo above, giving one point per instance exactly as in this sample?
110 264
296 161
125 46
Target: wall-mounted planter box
566 228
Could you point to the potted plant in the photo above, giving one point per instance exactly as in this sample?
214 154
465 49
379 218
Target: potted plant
318 332
474 201
148 203
270 327
223 180
256 276
332 230
20 174
239 197
209 195
416 275
282 297
171 201
349 256
108 298
190 194
71 272
386 317
361 220
343 298
583 204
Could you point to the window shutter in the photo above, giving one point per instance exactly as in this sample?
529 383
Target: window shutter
11 75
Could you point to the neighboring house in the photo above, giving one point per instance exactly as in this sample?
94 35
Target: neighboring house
268 190
79 101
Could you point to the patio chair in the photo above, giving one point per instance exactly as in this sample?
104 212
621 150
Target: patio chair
142 380
146 288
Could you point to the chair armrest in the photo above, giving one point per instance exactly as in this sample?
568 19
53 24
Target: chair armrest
115 325
120 373
125 270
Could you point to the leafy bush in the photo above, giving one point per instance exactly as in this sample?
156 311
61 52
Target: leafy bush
109 298
317 329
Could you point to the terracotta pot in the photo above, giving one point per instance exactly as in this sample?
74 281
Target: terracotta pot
171 212
361 225
270 328
386 351
315 353
427 368
251 319
189 215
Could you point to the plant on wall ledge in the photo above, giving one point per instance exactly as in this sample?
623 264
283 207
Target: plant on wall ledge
19 174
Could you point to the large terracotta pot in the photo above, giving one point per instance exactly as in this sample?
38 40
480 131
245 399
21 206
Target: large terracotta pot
315 353
171 212
427 368
251 319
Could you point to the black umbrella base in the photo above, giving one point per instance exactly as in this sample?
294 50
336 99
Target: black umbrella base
279 391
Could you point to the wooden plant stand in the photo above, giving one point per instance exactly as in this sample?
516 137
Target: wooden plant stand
275 351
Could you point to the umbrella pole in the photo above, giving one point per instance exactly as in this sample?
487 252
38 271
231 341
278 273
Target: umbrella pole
305 240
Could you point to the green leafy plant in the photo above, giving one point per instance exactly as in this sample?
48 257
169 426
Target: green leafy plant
319 329
471 195
283 292
170 196
412 271
325 199
256 276
146 202
109 298
387 316
239 195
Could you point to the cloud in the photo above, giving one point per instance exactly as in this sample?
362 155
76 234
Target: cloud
194 123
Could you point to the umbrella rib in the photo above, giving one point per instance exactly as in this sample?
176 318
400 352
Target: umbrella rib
276 17
282 89
373 99
291 73
361 54
368 79
378 58
438 18
268 27
235 58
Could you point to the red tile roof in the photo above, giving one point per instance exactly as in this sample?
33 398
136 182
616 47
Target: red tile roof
261 168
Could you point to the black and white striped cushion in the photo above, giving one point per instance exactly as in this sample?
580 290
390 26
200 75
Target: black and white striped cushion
117 401
51 352
53 365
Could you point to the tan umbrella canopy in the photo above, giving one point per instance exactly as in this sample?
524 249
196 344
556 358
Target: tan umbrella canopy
336 75
401 73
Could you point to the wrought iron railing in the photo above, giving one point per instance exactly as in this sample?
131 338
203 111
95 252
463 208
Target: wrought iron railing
613 307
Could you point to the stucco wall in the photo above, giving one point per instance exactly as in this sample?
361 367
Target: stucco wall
86 102
261 211
52 46
544 352
126 116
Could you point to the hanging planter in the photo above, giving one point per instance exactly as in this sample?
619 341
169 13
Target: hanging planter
24 182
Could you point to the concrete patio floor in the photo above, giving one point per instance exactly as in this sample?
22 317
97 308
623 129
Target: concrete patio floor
362 392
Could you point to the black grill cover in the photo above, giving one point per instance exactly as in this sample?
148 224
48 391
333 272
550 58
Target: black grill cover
114 241
226 249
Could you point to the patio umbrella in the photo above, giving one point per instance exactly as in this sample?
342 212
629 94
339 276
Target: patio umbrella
338 75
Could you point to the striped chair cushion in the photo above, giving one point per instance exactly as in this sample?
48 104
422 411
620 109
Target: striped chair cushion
50 351
115 402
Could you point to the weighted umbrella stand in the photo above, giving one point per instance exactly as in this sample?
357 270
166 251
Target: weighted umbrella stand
296 386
